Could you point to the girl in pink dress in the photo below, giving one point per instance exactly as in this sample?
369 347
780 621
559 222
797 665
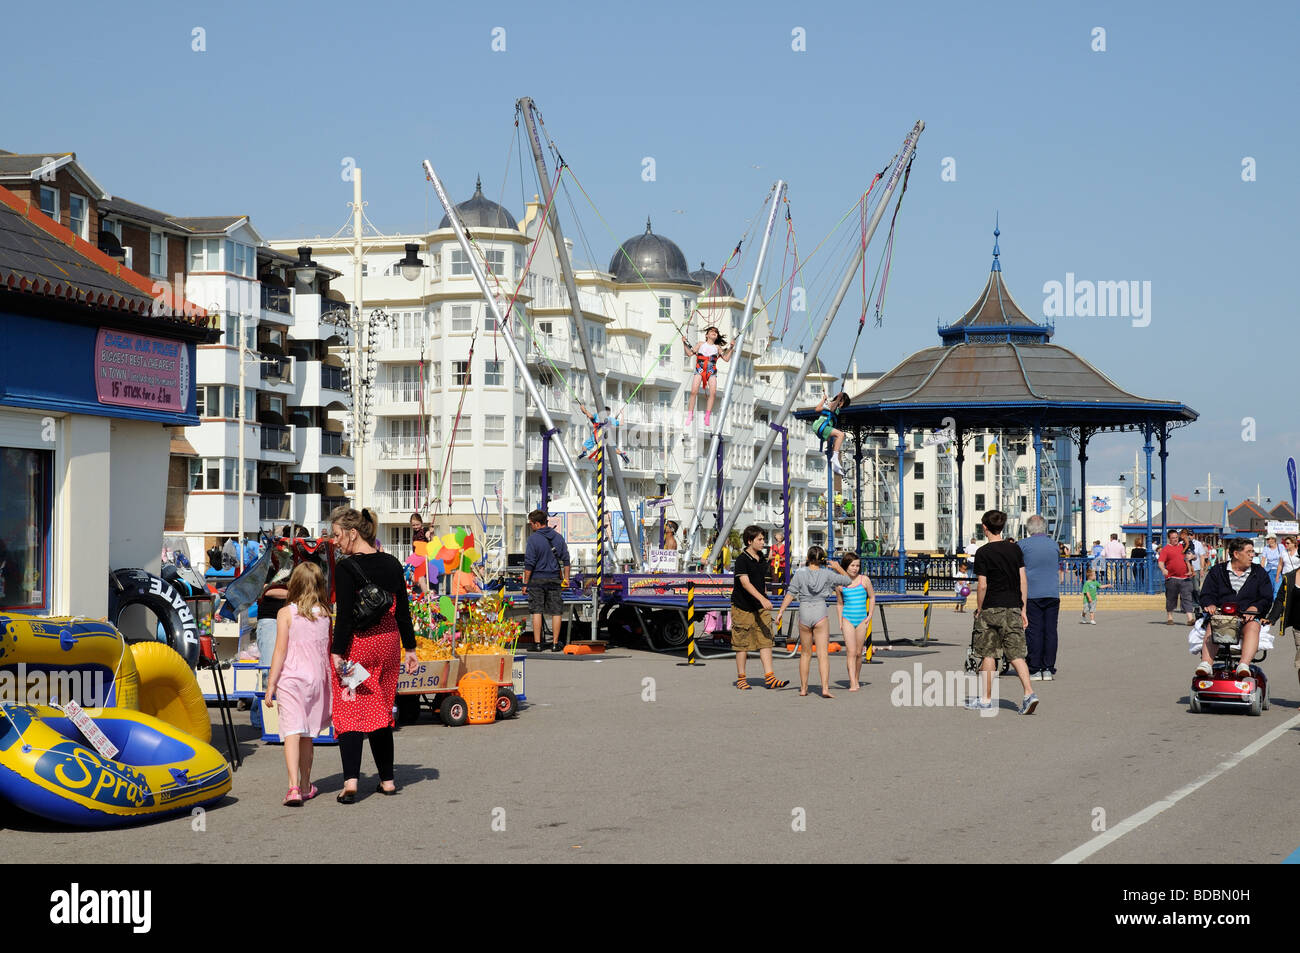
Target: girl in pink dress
299 678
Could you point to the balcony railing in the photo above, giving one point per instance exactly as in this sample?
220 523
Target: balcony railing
331 377
332 443
275 367
399 501
273 507
275 299
398 391
277 438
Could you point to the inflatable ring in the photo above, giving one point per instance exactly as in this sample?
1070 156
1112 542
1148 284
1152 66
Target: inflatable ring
169 691
136 587
48 770
85 661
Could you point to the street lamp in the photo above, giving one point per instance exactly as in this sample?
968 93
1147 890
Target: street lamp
411 264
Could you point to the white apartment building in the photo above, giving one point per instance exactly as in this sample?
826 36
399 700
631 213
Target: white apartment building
295 459
428 387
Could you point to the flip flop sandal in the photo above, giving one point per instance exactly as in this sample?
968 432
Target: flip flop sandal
293 798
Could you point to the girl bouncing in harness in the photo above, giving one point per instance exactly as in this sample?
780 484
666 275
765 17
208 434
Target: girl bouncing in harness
825 430
707 353
597 421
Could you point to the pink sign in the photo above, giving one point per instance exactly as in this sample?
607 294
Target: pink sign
135 370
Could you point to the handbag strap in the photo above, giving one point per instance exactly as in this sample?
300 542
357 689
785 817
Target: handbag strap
353 563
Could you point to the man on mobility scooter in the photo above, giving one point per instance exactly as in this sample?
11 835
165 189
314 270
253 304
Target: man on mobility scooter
1247 586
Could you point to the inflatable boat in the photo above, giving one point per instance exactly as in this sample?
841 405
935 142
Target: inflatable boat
47 767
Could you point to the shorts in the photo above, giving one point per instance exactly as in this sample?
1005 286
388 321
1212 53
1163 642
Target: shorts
751 631
544 597
1000 631
1179 591
1295 633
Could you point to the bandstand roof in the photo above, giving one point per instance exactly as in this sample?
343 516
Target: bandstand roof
997 367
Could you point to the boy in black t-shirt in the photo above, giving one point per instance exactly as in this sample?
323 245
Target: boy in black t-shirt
1000 616
751 610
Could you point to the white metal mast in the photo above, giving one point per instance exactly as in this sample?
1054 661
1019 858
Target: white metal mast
904 156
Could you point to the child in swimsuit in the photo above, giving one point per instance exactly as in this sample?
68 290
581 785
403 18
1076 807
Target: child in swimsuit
707 353
825 430
857 605
812 584
589 445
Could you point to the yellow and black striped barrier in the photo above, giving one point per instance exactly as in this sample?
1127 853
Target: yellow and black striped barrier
867 646
690 623
925 613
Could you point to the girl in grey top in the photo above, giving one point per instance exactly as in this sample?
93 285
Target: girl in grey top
812 584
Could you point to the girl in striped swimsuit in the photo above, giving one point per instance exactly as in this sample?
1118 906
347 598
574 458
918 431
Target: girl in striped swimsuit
857 605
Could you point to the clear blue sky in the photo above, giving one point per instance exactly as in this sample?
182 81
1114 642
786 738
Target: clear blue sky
1116 165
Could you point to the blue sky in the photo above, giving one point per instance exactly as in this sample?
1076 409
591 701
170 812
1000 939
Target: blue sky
1117 165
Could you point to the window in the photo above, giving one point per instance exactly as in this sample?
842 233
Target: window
462 318
979 444
231 476
979 503
979 473
490 480
665 355
26 489
464 430
665 309
493 373
596 337
918 471
50 202
435 320
918 440
918 532
918 501
77 215
157 254
407 329
435 374
979 531
519 485
494 428
459 263
1024 504
399 538
460 373
460 485
205 254
365 269
496 262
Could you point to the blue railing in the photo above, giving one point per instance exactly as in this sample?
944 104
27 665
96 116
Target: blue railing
1130 576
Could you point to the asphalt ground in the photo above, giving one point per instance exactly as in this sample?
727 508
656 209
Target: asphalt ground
633 757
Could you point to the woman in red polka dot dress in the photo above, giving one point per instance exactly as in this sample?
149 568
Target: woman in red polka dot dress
367 710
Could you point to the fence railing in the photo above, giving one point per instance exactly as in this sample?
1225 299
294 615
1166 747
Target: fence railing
946 574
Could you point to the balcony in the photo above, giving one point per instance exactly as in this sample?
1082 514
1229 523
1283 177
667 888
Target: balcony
399 450
556 400
276 368
276 299
318 385
331 377
388 393
544 348
277 439
399 501
333 444
273 508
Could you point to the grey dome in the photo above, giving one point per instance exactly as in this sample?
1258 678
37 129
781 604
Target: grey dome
714 286
481 212
657 259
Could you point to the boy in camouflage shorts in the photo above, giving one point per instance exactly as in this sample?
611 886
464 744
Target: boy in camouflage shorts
1000 616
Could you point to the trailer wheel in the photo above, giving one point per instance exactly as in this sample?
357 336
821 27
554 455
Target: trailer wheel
669 630
454 711
507 702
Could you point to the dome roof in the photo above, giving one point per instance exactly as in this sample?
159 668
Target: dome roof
481 212
657 260
713 285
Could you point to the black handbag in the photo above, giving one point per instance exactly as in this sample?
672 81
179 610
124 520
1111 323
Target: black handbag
371 604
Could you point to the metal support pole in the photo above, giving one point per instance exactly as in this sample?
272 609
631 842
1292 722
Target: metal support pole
1164 484
509 337
796 386
830 500
663 492
1038 469
785 502
359 386
1083 495
526 106
738 344
602 451
719 482
1150 564
857 491
959 437
243 424
546 470
902 513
